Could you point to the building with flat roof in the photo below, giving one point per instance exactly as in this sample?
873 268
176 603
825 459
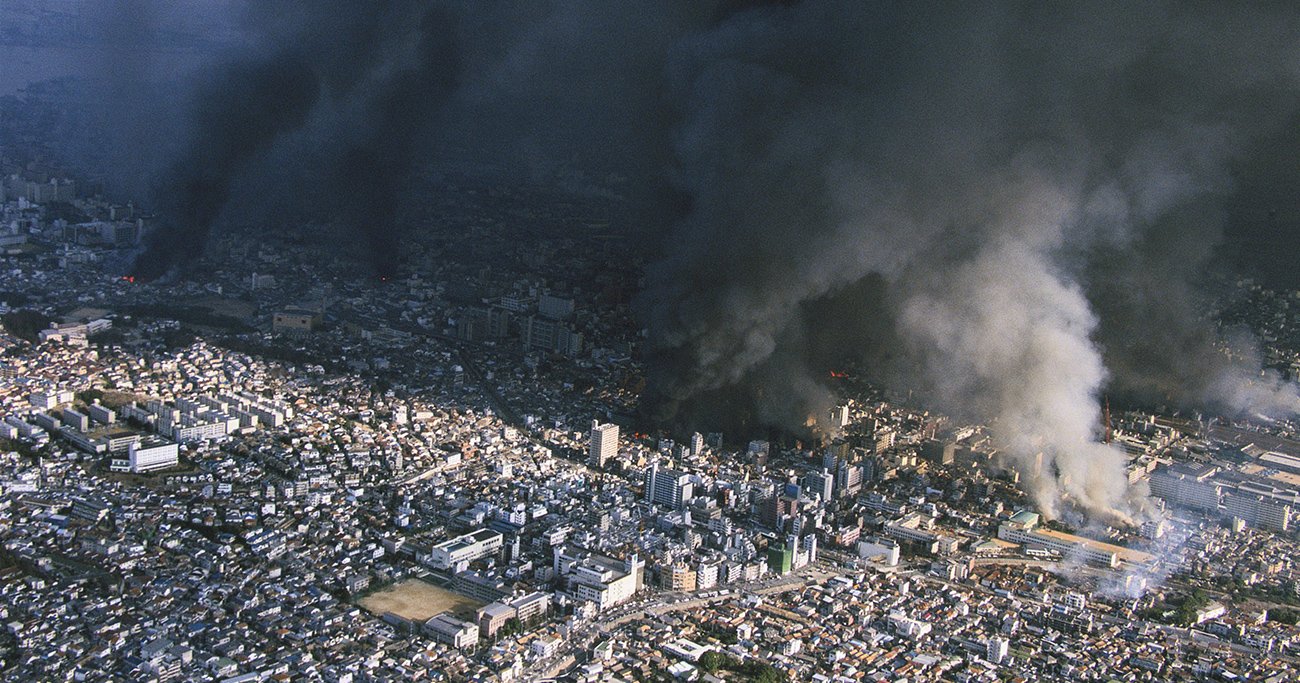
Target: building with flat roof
456 554
531 606
667 487
780 559
597 578
492 617
1281 461
604 443
293 320
1257 510
550 335
480 586
449 630
1023 528
151 456
1188 486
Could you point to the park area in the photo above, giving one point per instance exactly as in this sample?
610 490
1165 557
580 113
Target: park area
418 600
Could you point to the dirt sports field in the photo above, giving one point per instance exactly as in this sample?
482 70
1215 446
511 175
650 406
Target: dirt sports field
416 600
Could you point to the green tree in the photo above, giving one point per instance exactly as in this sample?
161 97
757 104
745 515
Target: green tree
1284 615
712 660
25 324
1186 612
762 672
511 627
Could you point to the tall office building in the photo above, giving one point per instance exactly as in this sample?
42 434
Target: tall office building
848 478
820 484
667 487
549 335
604 443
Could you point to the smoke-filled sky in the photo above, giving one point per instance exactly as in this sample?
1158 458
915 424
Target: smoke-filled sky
1009 208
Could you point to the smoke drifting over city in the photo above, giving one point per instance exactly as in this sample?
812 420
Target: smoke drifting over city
369 78
1006 208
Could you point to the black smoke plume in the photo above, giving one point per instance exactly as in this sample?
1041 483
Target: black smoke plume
239 115
368 78
407 102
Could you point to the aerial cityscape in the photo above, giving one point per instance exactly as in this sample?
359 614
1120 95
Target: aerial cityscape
351 341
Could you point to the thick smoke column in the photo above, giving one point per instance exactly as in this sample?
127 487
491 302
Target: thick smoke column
246 110
1002 172
407 104
369 75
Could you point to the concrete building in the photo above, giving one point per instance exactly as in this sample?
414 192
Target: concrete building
532 606
597 578
1257 511
102 415
1188 486
667 487
939 452
912 527
820 484
554 307
480 586
1021 529
294 320
147 456
706 575
194 429
996 649
493 617
456 554
848 479
76 419
91 509
681 577
908 627
483 323
549 335
780 559
449 630
604 443
883 551
46 400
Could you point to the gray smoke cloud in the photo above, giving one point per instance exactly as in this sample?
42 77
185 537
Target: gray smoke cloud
1029 182
1005 207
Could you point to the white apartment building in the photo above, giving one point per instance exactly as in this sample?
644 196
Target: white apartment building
604 443
456 554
